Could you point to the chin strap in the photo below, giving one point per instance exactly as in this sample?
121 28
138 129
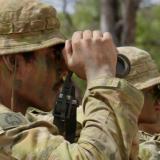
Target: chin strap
13 85
14 70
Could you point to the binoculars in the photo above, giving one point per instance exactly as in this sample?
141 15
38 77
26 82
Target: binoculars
123 66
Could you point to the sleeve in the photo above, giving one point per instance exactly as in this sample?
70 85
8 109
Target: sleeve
111 108
149 149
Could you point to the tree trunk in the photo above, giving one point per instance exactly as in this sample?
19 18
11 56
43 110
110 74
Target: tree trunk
129 8
109 16
120 22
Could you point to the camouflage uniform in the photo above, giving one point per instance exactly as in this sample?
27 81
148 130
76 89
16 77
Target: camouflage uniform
109 130
34 114
111 106
143 74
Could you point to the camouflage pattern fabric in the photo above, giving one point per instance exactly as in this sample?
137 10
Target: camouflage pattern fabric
144 72
34 115
111 108
149 148
27 25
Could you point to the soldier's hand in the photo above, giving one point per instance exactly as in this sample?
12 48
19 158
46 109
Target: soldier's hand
91 54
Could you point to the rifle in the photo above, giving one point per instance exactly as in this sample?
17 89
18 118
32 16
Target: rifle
65 110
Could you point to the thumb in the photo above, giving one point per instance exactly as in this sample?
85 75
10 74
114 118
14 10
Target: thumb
67 52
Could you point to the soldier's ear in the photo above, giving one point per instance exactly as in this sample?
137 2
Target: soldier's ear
10 62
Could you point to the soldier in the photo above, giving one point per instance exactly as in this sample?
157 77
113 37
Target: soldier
144 75
31 71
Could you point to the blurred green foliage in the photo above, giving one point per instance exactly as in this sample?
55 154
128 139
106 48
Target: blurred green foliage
148 31
86 16
81 84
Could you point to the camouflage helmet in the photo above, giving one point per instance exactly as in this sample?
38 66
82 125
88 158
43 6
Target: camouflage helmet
27 25
144 72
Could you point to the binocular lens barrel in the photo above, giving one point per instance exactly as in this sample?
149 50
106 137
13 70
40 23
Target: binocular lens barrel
123 66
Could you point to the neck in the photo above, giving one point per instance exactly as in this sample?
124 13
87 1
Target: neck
151 128
6 95
19 107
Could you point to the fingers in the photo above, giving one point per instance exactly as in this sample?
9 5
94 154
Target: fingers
97 34
77 36
91 53
92 34
87 34
109 40
68 47
107 36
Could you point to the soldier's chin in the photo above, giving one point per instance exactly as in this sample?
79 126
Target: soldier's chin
49 106
54 99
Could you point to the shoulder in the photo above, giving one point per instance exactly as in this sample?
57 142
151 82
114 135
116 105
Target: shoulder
9 119
149 147
34 114
25 140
